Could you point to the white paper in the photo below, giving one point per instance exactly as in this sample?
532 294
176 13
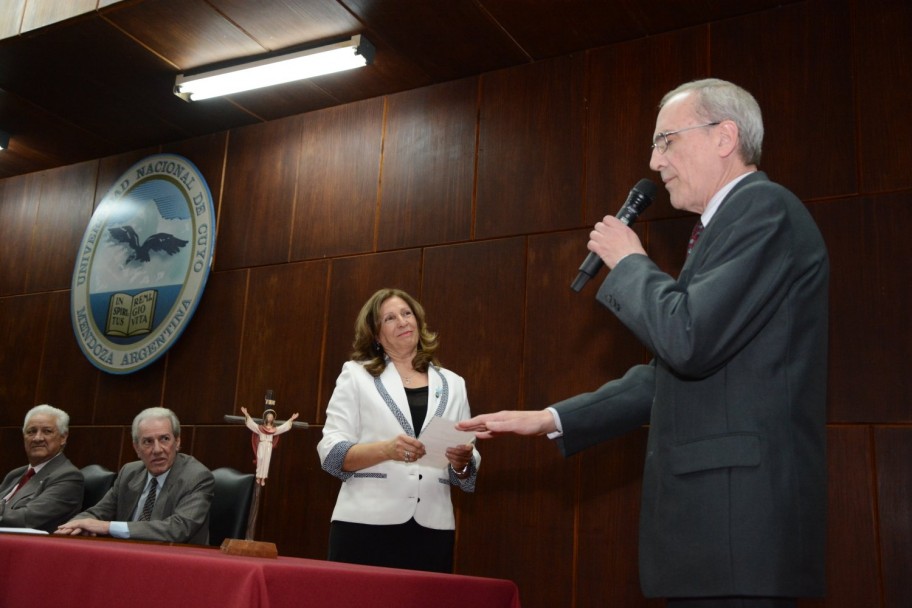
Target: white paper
439 435
21 531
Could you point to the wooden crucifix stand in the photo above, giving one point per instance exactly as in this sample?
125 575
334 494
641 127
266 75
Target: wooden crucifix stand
248 546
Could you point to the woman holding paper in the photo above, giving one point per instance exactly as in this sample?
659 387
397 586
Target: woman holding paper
394 507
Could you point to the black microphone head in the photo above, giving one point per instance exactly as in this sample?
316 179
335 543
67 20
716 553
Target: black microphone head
647 187
639 198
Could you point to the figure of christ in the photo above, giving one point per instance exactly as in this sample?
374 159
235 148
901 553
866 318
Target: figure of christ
264 438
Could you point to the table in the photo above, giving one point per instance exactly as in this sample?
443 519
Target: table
63 572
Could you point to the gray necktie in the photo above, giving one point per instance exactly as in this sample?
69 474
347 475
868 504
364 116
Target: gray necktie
150 501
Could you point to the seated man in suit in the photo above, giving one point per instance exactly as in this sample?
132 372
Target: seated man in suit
164 496
48 491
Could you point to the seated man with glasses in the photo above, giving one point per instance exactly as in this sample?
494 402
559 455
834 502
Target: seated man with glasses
164 496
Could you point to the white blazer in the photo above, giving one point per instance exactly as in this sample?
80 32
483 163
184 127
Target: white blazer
363 409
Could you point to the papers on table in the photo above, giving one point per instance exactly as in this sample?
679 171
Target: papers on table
22 531
439 435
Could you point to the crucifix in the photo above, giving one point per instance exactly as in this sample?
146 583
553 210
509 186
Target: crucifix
264 439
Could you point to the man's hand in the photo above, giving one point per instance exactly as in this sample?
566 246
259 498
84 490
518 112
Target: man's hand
612 240
84 527
487 426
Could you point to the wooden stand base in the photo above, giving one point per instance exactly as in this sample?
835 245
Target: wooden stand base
250 548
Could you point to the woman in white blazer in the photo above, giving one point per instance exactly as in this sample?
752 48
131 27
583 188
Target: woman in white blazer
392 510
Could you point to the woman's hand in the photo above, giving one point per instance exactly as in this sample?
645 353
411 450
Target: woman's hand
459 457
404 448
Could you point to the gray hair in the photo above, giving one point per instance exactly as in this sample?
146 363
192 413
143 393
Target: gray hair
717 100
156 413
63 419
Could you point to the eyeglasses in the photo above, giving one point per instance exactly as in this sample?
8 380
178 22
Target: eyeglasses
660 141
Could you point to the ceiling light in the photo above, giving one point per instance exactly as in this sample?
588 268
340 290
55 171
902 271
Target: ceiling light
4 140
279 69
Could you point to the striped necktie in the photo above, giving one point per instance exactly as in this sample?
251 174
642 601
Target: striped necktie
150 501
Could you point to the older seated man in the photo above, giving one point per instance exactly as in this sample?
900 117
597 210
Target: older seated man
47 491
164 496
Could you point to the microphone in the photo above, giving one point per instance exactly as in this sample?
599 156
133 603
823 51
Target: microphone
639 198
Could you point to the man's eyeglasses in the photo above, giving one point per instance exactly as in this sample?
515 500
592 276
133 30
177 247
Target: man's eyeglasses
660 141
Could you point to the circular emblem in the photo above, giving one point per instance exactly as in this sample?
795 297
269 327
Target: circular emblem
143 264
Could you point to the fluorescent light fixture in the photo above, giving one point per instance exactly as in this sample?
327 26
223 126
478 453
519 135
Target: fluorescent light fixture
4 140
279 69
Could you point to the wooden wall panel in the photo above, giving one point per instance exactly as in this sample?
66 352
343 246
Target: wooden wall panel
519 523
64 210
121 397
17 220
852 555
99 445
256 213
608 531
208 154
473 296
893 451
300 498
880 62
842 224
203 363
283 336
572 344
530 149
890 265
353 281
23 322
800 80
625 84
66 379
428 166
338 180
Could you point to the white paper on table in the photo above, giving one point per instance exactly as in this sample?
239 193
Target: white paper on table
439 435
21 531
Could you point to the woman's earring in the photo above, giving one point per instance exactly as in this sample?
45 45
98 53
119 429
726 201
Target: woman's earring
378 348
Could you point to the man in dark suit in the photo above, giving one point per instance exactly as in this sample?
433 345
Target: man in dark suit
734 484
164 496
48 491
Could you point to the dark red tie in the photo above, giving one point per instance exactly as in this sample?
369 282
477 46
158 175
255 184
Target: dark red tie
28 475
694 236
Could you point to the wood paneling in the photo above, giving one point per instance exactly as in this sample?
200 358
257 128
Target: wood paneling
473 295
39 13
610 481
353 281
282 341
530 149
66 379
428 166
625 84
893 451
852 554
572 344
18 215
256 213
23 322
64 210
338 179
203 364
879 63
800 80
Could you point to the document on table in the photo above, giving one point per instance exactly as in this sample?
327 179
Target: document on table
439 435
21 531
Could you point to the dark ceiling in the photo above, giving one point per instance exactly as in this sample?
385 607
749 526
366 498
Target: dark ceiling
101 83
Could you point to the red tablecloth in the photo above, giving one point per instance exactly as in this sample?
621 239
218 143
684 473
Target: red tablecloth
60 572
